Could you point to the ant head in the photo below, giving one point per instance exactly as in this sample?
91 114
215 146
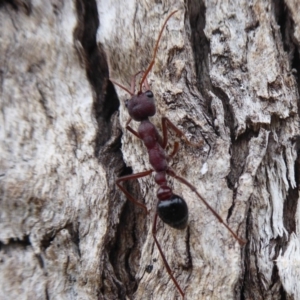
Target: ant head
141 106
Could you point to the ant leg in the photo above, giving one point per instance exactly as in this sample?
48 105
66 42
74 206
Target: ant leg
146 84
128 121
175 149
165 140
154 231
184 181
129 177
165 123
122 87
131 129
132 86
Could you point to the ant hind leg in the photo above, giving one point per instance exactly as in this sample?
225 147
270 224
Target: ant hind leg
154 231
184 181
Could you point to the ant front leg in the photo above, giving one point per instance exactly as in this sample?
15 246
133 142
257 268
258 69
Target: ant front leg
154 231
130 129
167 123
129 177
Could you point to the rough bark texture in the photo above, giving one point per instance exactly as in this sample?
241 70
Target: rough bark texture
226 72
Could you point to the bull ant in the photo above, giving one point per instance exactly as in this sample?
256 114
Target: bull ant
171 208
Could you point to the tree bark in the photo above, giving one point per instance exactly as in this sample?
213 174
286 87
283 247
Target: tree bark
225 73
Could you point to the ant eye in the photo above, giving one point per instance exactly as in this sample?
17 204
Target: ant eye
126 103
149 94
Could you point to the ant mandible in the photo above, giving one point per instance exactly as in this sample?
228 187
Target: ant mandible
171 208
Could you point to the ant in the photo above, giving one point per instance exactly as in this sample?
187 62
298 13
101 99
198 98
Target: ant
171 208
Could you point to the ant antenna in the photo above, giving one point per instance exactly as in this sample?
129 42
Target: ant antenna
122 87
155 51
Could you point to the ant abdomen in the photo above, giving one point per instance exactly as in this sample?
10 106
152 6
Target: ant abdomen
173 212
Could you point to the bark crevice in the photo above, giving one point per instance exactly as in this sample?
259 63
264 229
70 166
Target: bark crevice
201 49
106 101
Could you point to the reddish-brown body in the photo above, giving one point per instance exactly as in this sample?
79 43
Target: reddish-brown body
152 140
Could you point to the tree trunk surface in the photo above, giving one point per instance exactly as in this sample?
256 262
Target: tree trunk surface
226 73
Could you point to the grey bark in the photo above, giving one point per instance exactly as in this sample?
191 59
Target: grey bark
225 72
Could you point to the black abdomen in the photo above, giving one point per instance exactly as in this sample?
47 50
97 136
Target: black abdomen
173 212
